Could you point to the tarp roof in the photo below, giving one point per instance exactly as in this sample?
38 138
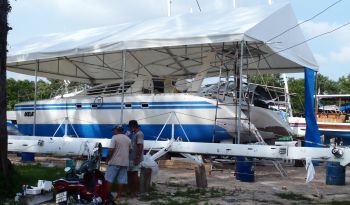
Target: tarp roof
170 46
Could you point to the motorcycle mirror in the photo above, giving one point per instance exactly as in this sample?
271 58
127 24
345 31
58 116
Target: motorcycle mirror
67 169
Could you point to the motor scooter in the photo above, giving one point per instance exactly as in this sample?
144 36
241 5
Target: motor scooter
86 185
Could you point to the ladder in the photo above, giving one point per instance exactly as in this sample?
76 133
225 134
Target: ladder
220 100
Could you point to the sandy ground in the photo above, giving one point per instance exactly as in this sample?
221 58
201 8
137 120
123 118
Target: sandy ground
268 183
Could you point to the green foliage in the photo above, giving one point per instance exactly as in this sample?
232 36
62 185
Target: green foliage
28 174
267 79
23 90
297 90
327 86
344 84
340 203
324 86
183 196
293 196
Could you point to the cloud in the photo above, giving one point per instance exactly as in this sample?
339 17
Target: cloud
312 28
321 59
335 46
342 55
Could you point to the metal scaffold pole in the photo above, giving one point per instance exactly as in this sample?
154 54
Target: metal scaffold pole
123 88
35 95
239 110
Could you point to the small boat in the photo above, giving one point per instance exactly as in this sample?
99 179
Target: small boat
333 120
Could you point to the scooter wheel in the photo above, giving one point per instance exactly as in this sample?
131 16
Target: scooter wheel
72 199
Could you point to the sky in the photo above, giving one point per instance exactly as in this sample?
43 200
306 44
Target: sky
32 18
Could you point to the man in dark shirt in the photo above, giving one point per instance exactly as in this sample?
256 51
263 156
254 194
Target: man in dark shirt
136 156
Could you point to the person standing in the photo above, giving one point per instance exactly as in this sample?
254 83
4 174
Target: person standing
136 157
118 160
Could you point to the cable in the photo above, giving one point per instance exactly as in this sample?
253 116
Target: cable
199 7
307 40
319 13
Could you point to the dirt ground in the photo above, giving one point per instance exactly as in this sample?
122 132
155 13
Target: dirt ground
269 187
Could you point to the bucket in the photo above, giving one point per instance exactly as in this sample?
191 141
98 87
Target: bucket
27 157
335 174
105 152
245 170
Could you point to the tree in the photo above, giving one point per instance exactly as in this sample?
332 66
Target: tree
267 79
344 84
297 90
23 90
5 164
327 86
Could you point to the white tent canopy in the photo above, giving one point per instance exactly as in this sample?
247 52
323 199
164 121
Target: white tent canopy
173 46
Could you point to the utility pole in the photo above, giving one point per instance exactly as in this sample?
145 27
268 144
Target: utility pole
4 28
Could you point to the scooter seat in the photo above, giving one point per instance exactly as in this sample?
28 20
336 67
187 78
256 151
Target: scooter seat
71 180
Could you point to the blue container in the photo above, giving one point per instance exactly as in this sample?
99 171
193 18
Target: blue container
105 152
245 171
335 174
27 157
70 163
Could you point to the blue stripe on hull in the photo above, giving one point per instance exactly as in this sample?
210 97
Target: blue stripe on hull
195 133
55 105
117 108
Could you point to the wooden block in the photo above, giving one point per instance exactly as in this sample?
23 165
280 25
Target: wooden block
145 179
201 177
182 164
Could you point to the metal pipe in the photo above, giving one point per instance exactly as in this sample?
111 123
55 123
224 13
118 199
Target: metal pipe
316 91
240 96
35 95
169 7
123 87
287 95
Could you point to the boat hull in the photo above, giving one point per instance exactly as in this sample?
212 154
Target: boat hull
269 123
329 129
94 117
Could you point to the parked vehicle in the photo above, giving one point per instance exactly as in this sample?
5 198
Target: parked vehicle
86 185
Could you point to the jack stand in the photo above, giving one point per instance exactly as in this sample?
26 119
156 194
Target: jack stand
65 122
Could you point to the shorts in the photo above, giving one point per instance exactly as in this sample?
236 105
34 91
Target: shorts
133 167
121 172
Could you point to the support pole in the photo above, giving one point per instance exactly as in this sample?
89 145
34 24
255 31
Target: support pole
173 126
317 93
169 7
240 96
123 87
35 95
287 95
65 127
145 179
201 176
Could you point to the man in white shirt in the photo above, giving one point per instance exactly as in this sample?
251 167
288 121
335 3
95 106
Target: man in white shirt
118 160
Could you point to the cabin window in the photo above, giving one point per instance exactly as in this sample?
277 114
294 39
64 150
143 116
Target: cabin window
94 105
144 105
158 86
78 106
127 105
